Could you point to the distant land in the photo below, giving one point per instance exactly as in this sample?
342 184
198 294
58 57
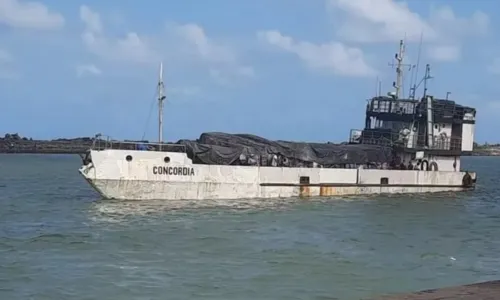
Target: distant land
486 150
14 143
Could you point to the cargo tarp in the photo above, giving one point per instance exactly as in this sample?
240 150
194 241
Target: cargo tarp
246 149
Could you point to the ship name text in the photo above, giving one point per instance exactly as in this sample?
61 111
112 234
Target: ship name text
176 171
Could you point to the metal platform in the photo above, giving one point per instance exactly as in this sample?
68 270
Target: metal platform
489 290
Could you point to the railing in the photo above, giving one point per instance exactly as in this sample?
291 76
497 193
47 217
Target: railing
412 141
393 106
442 109
101 142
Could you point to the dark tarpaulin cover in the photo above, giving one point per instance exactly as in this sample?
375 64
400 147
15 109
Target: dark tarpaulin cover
246 149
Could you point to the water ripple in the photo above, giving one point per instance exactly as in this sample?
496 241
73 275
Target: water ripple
59 241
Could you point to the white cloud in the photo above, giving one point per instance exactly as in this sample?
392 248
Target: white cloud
335 57
29 15
223 61
204 47
378 21
451 27
91 19
88 69
131 48
188 41
444 53
373 21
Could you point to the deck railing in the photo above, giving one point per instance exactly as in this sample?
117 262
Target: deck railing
101 142
440 108
412 141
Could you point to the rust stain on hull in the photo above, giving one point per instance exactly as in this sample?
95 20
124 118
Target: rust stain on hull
327 191
305 191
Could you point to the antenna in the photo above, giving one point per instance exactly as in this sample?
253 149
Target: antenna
399 70
161 98
412 69
378 87
414 88
427 76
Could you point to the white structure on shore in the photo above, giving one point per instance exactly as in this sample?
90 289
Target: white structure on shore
407 146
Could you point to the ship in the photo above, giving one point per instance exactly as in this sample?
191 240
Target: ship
407 145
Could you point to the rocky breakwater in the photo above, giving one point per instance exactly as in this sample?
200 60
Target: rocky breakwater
14 143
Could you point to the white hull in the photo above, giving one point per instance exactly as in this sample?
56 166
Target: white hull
143 177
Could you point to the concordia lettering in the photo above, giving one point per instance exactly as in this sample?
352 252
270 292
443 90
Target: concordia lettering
176 171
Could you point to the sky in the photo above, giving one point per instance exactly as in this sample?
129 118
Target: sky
282 69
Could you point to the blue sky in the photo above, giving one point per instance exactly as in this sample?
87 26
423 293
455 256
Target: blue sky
284 69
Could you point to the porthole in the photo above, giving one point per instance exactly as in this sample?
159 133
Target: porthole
166 159
128 157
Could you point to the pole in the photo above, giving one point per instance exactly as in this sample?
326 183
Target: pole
161 98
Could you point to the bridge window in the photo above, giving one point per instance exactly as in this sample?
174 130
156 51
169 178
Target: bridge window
128 157
166 159
304 180
384 181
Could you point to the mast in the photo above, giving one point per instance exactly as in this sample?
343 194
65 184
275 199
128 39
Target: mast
161 98
427 77
399 69
414 87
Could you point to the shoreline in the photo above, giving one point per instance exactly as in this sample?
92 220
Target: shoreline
13 144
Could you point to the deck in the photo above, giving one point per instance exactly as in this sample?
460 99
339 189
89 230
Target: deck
489 290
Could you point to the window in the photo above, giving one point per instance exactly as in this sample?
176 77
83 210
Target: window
304 180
